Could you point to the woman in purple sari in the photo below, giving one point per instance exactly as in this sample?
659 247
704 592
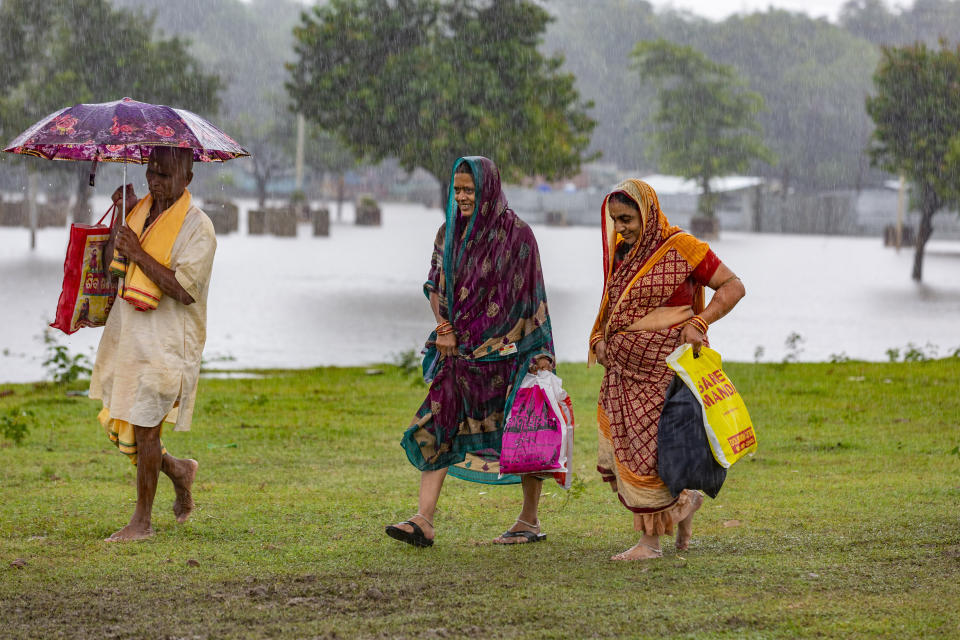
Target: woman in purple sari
486 290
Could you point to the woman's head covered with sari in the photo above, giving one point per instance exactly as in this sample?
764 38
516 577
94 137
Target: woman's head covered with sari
488 277
462 233
655 228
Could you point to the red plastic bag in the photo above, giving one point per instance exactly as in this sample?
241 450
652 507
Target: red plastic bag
88 290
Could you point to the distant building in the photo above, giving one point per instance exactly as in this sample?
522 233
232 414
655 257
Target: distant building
747 203
738 199
848 212
678 198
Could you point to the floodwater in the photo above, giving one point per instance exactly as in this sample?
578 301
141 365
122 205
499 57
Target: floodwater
355 298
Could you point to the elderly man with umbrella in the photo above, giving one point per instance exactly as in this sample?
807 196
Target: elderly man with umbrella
148 362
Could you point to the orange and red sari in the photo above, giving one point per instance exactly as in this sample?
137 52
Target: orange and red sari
648 295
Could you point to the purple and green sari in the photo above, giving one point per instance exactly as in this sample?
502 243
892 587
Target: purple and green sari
486 272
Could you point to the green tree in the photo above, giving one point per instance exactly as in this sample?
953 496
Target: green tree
426 81
325 154
813 77
245 42
63 52
705 121
873 20
916 110
270 138
931 20
596 39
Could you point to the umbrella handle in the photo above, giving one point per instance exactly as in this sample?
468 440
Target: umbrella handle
123 189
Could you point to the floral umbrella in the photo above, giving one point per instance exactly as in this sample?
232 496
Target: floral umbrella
123 131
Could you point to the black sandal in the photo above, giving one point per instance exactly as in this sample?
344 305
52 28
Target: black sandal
530 536
415 537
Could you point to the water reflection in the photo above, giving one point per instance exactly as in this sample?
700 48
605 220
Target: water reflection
355 298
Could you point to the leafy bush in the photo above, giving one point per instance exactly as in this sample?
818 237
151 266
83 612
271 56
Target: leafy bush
794 344
367 201
577 488
62 366
915 353
15 425
408 361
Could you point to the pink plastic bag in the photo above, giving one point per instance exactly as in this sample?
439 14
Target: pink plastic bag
538 435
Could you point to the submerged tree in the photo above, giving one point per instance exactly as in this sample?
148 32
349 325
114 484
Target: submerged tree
705 124
327 156
916 110
426 81
270 136
59 53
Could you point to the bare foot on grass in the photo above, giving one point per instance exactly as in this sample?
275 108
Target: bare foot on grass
639 551
131 533
183 504
685 526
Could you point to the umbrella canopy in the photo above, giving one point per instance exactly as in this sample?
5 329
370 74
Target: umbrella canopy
123 131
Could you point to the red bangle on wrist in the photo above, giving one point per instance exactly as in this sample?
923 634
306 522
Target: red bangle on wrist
699 323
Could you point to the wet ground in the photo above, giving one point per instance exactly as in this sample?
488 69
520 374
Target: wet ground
354 298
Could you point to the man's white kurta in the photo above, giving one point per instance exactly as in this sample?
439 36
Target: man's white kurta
148 362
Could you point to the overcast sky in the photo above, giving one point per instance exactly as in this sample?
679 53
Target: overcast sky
720 9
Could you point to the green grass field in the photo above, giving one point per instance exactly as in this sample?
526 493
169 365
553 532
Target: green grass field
845 524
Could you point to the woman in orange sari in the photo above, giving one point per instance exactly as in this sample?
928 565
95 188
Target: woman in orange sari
654 275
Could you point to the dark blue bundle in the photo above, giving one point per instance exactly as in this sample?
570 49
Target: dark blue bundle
684 458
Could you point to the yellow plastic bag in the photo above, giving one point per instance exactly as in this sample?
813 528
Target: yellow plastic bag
725 418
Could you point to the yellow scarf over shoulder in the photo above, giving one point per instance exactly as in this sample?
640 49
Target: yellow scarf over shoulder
157 240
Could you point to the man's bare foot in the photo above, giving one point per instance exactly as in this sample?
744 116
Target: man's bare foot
639 551
130 533
685 526
183 504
